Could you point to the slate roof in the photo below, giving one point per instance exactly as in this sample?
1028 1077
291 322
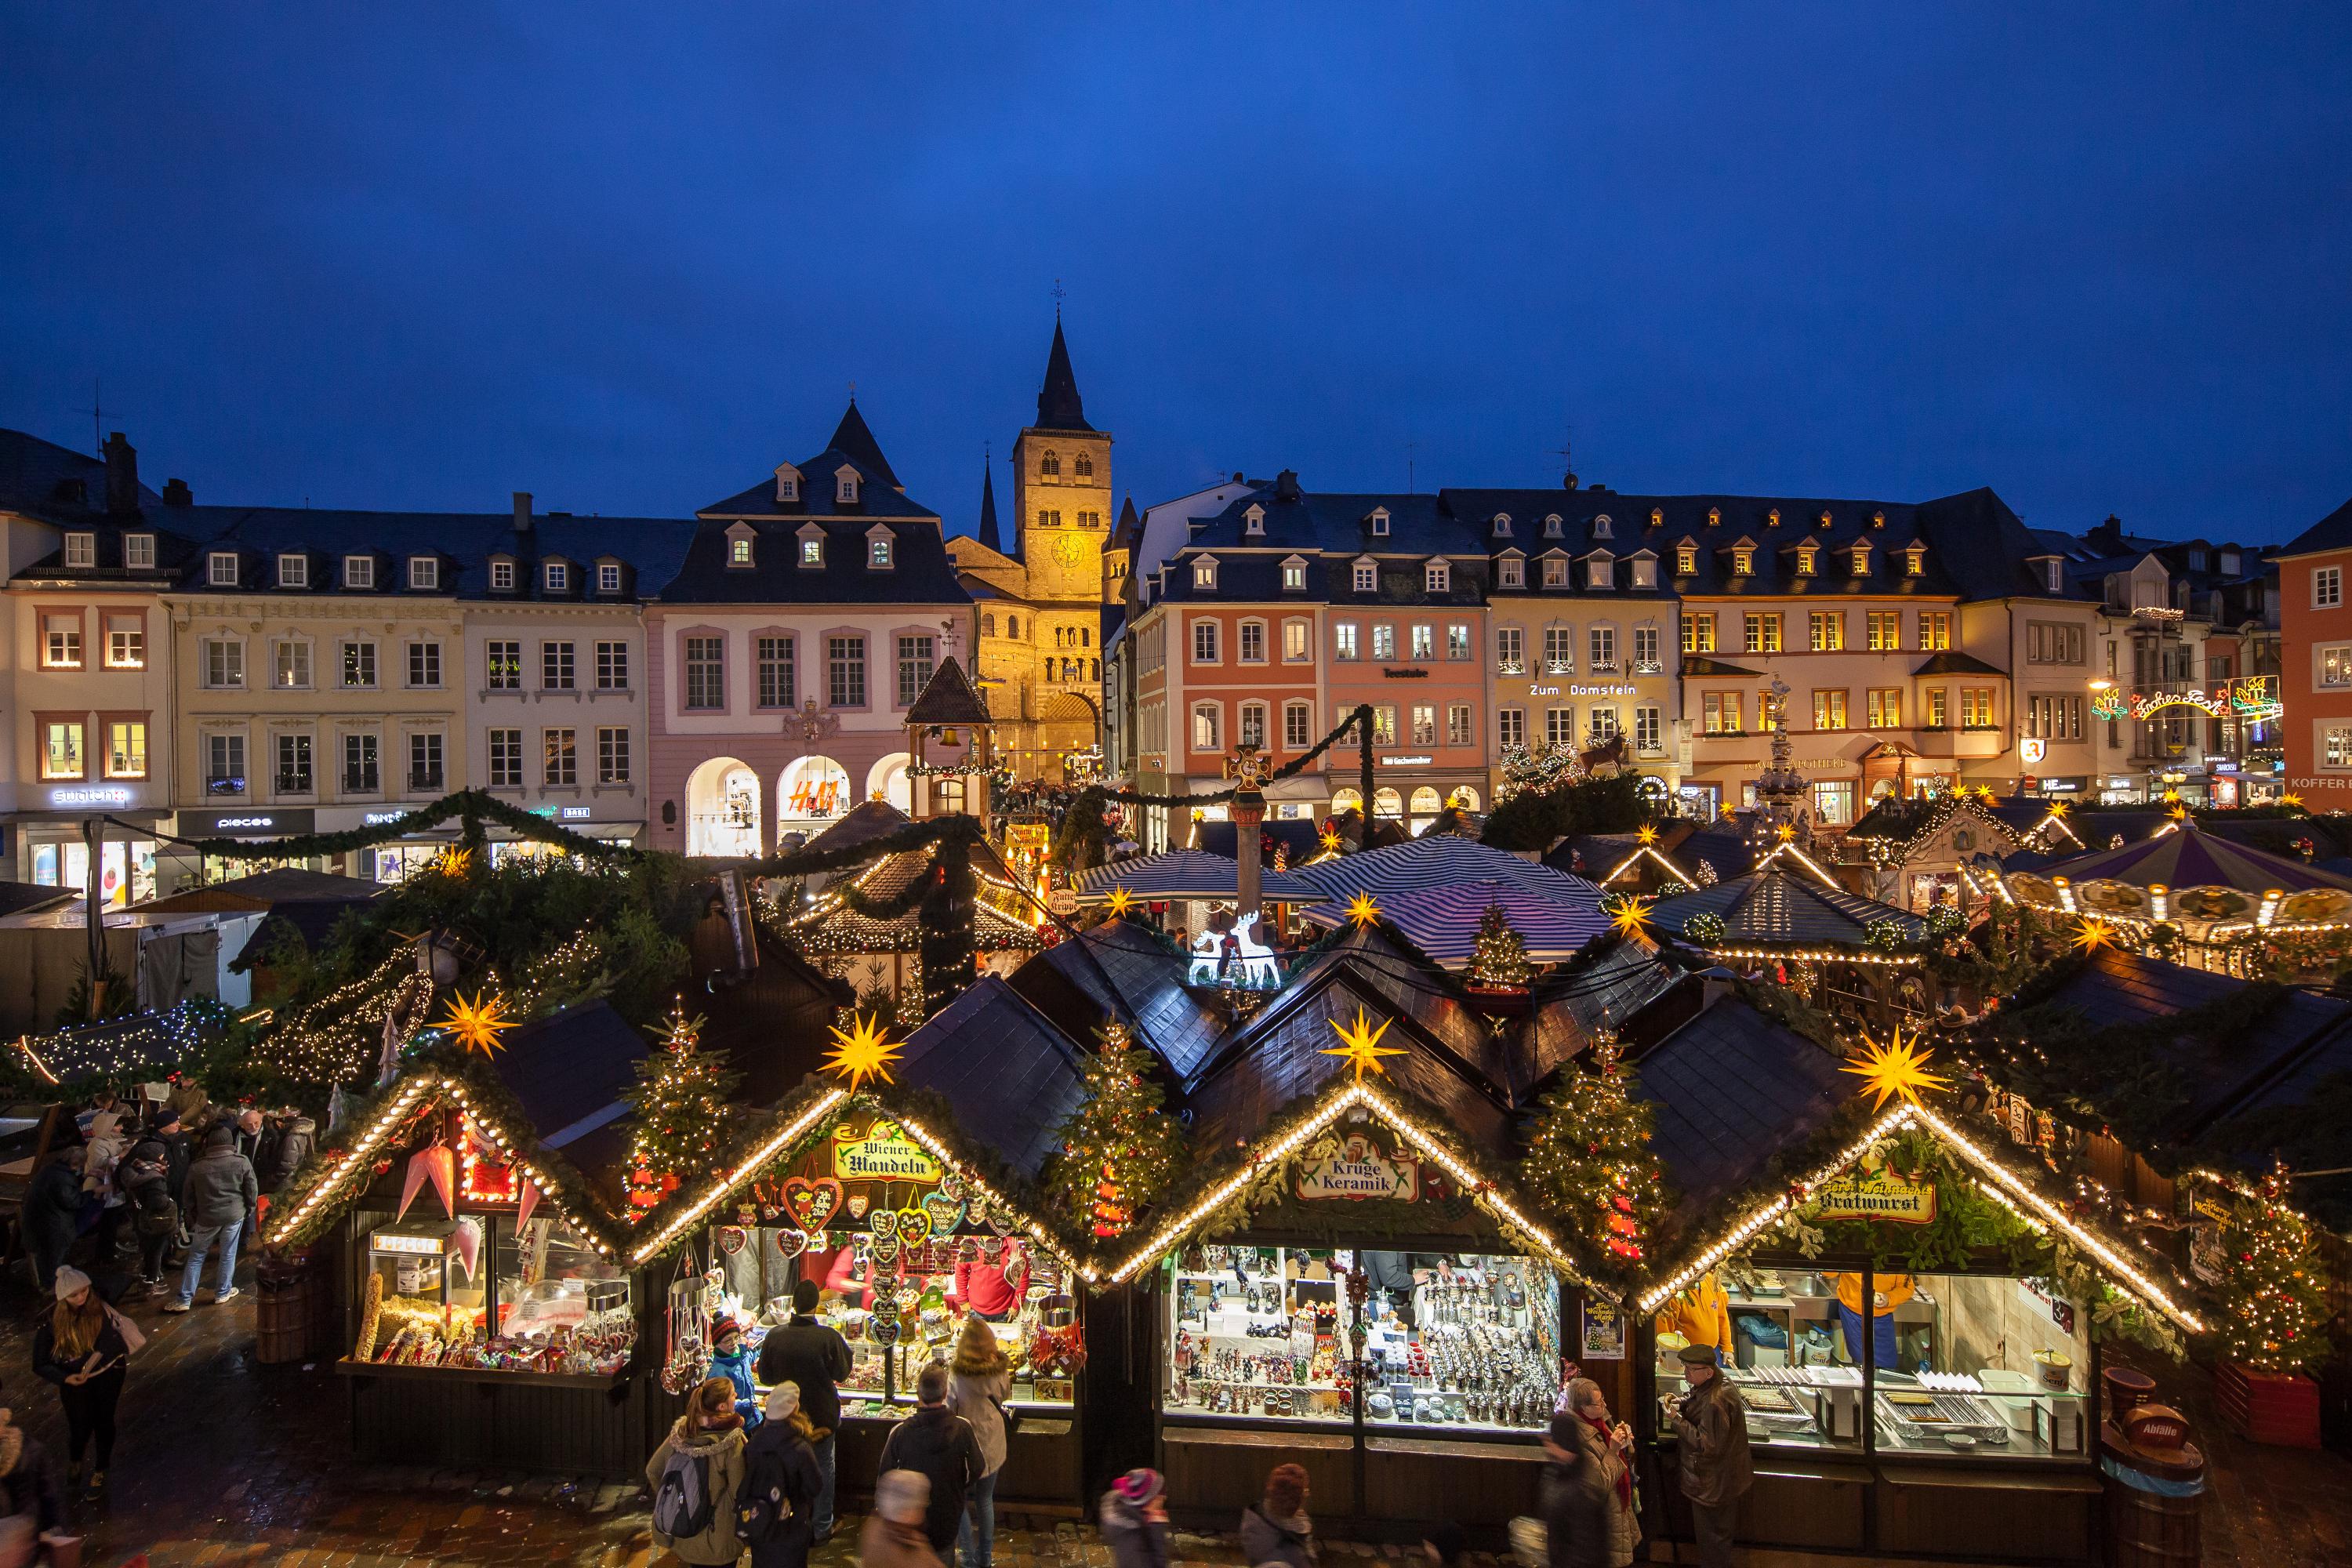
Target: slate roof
1604 989
869 819
57 484
1777 908
1731 1089
947 699
987 532
1058 405
568 1071
853 443
922 573
1120 969
2333 531
1012 1076
1436 860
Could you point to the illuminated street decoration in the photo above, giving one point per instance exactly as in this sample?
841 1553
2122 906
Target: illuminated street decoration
2255 697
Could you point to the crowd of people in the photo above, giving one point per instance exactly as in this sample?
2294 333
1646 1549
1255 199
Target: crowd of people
725 1482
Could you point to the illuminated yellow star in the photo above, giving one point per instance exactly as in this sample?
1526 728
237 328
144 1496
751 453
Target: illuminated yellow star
1646 833
454 861
1361 1044
2171 794
2092 932
2057 808
862 1051
477 1025
2295 800
1362 910
1121 901
1897 1069
2179 812
1788 832
1631 915
1330 840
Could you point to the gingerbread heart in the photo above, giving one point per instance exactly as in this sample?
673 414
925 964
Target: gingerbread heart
813 1203
792 1243
884 1249
951 1187
885 1222
857 1203
914 1227
732 1238
1001 1220
946 1212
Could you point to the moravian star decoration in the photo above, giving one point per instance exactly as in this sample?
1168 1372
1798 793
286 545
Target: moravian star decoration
2093 933
1120 900
1360 1045
1630 916
1645 834
862 1051
454 861
1330 840
477 1024
1362 910
1895 1070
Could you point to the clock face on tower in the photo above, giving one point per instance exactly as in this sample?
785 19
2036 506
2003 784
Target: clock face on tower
1069 549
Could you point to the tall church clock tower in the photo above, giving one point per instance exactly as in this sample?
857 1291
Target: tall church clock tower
1061 491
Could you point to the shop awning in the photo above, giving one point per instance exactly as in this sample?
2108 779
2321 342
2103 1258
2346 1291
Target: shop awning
1443 921
1189 874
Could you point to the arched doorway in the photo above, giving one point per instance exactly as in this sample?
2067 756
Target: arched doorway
1067 722
1464 797
813 789
722 809
1386 801
888 779
1347 800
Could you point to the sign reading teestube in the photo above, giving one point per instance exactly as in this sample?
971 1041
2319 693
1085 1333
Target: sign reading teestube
1880 1196
881 1154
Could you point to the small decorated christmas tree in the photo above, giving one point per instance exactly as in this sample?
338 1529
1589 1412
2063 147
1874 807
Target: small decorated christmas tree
679 1107
2276 1293
1118 1150
1498 955
1588 1158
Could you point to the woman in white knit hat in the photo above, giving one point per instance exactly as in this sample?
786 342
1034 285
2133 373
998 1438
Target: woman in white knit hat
776 1509
83 1347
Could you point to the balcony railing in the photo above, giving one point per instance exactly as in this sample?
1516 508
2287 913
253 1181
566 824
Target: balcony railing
294 783
225 784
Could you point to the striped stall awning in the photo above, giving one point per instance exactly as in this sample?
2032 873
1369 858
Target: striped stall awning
1443 921
1191 874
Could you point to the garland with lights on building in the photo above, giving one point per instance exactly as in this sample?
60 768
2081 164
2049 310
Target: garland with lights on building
1118 1150
1588 1159
2275 1294
678 1114
1498 955
147 1043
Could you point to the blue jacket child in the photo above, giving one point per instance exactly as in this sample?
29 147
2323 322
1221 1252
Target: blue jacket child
731 1361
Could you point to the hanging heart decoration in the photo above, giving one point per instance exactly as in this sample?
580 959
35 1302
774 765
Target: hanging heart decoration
951 1186
1001 1220
732 1238
884 1221
882 1328
914 1227
813 1203
858 1202
967 1250
792 1243
945 1212
884 1249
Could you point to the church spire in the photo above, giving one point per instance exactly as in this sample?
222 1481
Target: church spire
988 534
1058 406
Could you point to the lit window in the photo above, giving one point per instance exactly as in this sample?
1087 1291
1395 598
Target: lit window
1763 633
1294 576
139 552
1296 646
1743 562
1698 632
1829 710
1366 578
1685 559
126 644
878 557
424 572
1513 573
1424 644
62 753
1510 651
1827 629
1204 572
1438 578
61 642
126 749
1204 727
1723 713
1808 561
1384 642
812 552
1343 641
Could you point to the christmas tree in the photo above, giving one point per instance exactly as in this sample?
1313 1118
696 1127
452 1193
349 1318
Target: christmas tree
2276 1290
1497 954
1588 1157
1118 1150
679 1103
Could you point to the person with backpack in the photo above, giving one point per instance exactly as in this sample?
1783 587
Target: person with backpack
1278 1529
696 1474
983 1381
937 1444
805 1352
146 1181
775 1509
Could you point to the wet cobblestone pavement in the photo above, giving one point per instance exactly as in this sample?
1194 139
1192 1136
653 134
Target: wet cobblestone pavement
222 1463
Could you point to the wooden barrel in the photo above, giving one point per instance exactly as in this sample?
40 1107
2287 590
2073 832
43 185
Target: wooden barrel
282 1318
2145 1529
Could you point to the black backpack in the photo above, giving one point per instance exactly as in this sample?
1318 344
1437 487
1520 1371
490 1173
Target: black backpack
682 1506
763 1506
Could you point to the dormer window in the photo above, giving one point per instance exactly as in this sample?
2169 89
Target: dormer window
1861 560
1555 572
1772 518
608 577
1825 517
1366 578
788 483
1646 570
844 486
1600 570
359 571
878 546
1915 564
1714 517
1380 522
1603 528
81 550
293 571
1808 561
1204 572
220 569
1253 521
557 576
1743 561
1685 559
812 548
1437 577
1657 516
139 552
503 576
1502 525
1552 525
1878 520
2053 571
1293 574
1511 571
424 572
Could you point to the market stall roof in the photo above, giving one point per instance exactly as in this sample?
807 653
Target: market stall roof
2204 878
1779 908
1607 988
267 889
846 930
1121 969
1442 921
1732 1090
1436 861
1010 1075
568 1072
948 698
866 821
1189 874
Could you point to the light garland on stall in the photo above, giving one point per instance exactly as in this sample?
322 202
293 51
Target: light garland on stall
1789 847
728 1180
1819 955
117 1045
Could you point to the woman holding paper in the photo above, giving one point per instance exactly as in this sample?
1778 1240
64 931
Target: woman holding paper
83 1347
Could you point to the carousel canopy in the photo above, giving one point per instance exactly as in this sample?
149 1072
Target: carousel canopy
1442 921
1777 908
1436 861
1189 874
2202 877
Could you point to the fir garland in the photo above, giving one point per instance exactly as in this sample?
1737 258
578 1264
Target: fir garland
472 805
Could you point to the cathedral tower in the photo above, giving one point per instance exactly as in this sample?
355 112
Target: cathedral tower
1061 490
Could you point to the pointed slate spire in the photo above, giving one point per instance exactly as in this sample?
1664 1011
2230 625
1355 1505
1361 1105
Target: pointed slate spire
853 440
1058 407
1129 532
988 534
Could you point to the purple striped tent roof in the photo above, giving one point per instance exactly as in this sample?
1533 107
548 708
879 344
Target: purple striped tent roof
2186 859
1443 921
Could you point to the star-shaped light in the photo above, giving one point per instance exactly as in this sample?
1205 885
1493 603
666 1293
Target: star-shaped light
1362 910
1330 840
862 1051
2092 934
2171 794
1895 1070
1631 915
1121 901
2295 800
2058 808
454 861
1788 832
1645 834
477 1024
1360 1045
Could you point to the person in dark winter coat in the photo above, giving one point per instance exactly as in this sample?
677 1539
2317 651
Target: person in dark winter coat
1711 1431
805 1352
1278 1529
1134 1520
781 1454
283 1154
84 1347
221 1192
51 1215
937 1444
1575 1499
146 1181
29 1482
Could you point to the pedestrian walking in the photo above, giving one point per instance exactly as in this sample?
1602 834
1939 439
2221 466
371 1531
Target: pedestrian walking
30 1505
981 1380
1134 1520
776 1510
804 1352
938 1444
146 1181
1610 1446
222 1191
894 1536
51 1215
696 1474
1575 1504
84 1347
1711 1429
1277 1529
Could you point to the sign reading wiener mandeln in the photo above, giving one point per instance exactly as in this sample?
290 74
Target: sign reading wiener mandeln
1355 1167
1882 1194
881 1152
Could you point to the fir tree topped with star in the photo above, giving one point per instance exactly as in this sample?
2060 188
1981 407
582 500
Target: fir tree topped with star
2275 1292
679 1109
1588 1158
1498 955
1118 1150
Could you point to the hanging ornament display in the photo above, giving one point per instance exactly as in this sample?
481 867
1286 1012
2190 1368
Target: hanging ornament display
792 1243
467 1245
526 1202
943 1213
732 1238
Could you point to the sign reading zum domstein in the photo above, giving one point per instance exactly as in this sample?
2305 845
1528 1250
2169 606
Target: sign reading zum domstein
881 1154
1355 1167
1880 1196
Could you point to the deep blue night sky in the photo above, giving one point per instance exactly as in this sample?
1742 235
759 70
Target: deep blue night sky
630 258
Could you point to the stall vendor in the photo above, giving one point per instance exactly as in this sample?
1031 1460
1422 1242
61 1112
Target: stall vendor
1701 1314
993 1283
846 1276
1894 1289
1397 1273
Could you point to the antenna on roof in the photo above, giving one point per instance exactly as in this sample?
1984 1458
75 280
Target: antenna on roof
1568 477
97 412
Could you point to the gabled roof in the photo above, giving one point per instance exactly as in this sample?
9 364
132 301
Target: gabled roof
57 484
1012 1076
1731 1090
2333 531
1780 909
1189 874
1603 990
948 698
878 492
1438 860
1117 969
1443 921
921 572
868 820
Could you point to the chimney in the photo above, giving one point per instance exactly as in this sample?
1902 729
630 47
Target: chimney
1286 485
176 493
523 512
121 477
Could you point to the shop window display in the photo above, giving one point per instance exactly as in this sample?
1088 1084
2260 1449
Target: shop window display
431 1298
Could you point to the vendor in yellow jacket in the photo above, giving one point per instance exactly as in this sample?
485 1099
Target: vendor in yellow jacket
1701 1313
1892 1290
